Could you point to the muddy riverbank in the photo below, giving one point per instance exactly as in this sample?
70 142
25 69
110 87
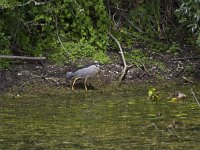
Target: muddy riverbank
23 73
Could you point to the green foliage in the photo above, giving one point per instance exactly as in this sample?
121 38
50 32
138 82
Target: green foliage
136 57
62 30
174 48
8 4
189 15
69 30
77 50
145 29
153 94
190 69
4 63
4 49
73 51
147 16
4 44
88 22
101 57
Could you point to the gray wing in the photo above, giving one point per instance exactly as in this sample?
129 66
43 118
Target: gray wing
86 72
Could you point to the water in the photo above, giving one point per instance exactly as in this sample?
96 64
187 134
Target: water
113 119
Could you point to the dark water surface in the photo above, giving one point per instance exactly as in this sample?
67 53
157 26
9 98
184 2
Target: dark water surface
115 119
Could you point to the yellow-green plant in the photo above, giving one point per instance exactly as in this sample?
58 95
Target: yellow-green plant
152 94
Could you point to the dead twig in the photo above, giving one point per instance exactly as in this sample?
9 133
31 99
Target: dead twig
21 57
171 130
35 3
192 92
119 8
123 73
187 80
160 131
55 80
185 58
130 22
44 77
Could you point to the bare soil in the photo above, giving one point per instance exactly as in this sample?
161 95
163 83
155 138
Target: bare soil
22 73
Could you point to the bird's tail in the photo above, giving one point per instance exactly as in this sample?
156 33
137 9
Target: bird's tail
69 75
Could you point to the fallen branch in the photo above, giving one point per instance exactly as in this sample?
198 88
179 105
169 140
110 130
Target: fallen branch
123 73
172 130
187 80
185 58
160 131
132 24
21 57
35 3
54 80
44 77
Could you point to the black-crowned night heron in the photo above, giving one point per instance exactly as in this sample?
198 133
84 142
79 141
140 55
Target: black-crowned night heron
84 73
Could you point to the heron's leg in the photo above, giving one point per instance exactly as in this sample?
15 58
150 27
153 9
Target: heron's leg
74 83
85 83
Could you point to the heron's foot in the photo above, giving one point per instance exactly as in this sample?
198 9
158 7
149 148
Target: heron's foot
73 89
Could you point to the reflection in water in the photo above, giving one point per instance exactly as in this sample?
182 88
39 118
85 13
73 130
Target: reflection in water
123 119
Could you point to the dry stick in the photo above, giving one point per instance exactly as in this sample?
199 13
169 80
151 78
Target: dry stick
55 80
161 132
21 57
123 59
49 79
172 131
194 96
137 28
186 58
157 128
35 3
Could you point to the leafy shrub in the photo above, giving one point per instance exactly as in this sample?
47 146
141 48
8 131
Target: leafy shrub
56 28
77 50
189 15
4 63
136 57
4 50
